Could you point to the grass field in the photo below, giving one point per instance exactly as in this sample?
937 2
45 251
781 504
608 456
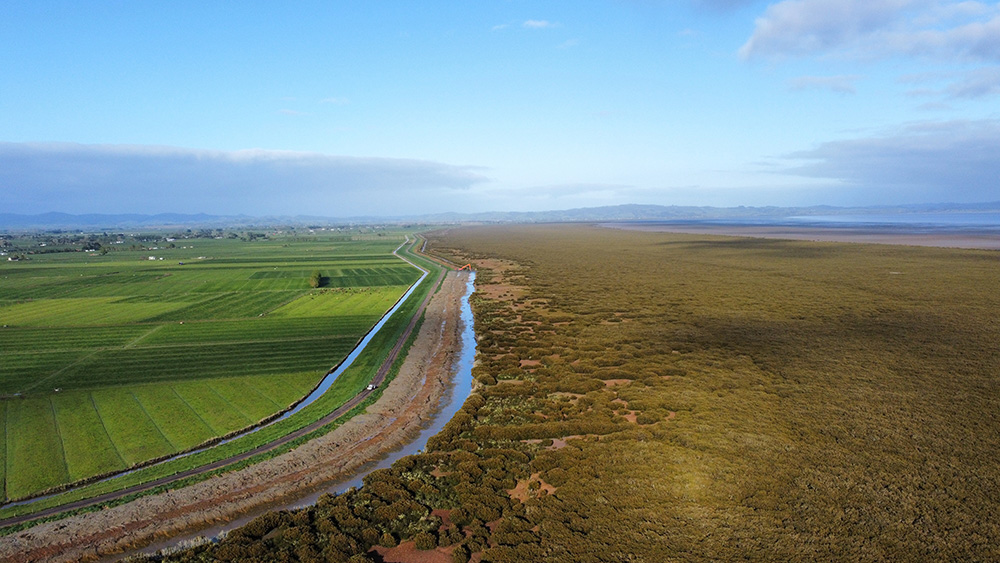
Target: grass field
111 360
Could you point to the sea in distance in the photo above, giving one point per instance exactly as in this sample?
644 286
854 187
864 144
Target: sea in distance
969 220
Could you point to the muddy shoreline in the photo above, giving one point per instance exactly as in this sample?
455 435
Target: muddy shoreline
399 414
984 239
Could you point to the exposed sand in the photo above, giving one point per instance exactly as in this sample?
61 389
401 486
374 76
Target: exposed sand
406 401
947 238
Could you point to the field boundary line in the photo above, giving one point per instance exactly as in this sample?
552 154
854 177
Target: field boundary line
193 410
141 337
208 383
104 427
265 397
62 443
61 370
152 420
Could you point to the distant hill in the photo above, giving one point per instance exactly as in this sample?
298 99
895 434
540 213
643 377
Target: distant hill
628 212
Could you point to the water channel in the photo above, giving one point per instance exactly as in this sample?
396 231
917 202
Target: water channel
451 401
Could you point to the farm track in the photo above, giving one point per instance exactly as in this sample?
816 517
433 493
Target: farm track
378 379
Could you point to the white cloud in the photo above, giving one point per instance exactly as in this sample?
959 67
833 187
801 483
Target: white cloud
537 24
36 178
291 112
843 84
569 44
335 100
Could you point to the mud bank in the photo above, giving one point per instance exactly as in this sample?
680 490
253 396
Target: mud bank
406 403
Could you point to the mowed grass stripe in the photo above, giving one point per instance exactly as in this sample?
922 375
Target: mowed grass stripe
34 340
81 312
182 427
36 460
234 305
87 447
268 328
222 417
21 371
134 434
143 365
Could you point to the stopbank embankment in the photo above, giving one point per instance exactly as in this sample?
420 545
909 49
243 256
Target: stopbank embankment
412 396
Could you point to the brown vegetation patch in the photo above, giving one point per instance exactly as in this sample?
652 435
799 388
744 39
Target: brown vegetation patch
560 443
614 382
532 487
444 515
407 552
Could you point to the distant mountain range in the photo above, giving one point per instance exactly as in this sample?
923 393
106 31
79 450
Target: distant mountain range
630 212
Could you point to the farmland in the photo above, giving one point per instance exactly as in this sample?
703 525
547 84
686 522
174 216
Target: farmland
109 360
665 397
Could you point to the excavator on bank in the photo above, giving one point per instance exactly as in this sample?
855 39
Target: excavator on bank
466 267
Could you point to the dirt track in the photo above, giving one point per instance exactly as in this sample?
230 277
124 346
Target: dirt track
410 397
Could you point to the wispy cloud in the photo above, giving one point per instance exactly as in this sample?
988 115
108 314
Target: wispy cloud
335 100
945 31
940 29
962 84
538 24
291 112
931 161
76 178
499 27
977 83
843 84
568 44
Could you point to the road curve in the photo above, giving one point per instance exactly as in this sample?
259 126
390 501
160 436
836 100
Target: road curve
379 378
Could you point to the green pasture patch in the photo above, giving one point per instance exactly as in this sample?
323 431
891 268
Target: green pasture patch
285 389
134 434
80 312
152 357
328 303
34 448
178 422
220 416
87 446
246 399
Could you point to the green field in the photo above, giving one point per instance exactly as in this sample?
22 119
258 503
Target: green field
111 360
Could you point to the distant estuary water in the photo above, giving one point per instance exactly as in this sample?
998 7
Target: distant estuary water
971 220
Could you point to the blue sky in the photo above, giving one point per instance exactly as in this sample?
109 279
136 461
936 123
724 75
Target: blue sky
350 108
